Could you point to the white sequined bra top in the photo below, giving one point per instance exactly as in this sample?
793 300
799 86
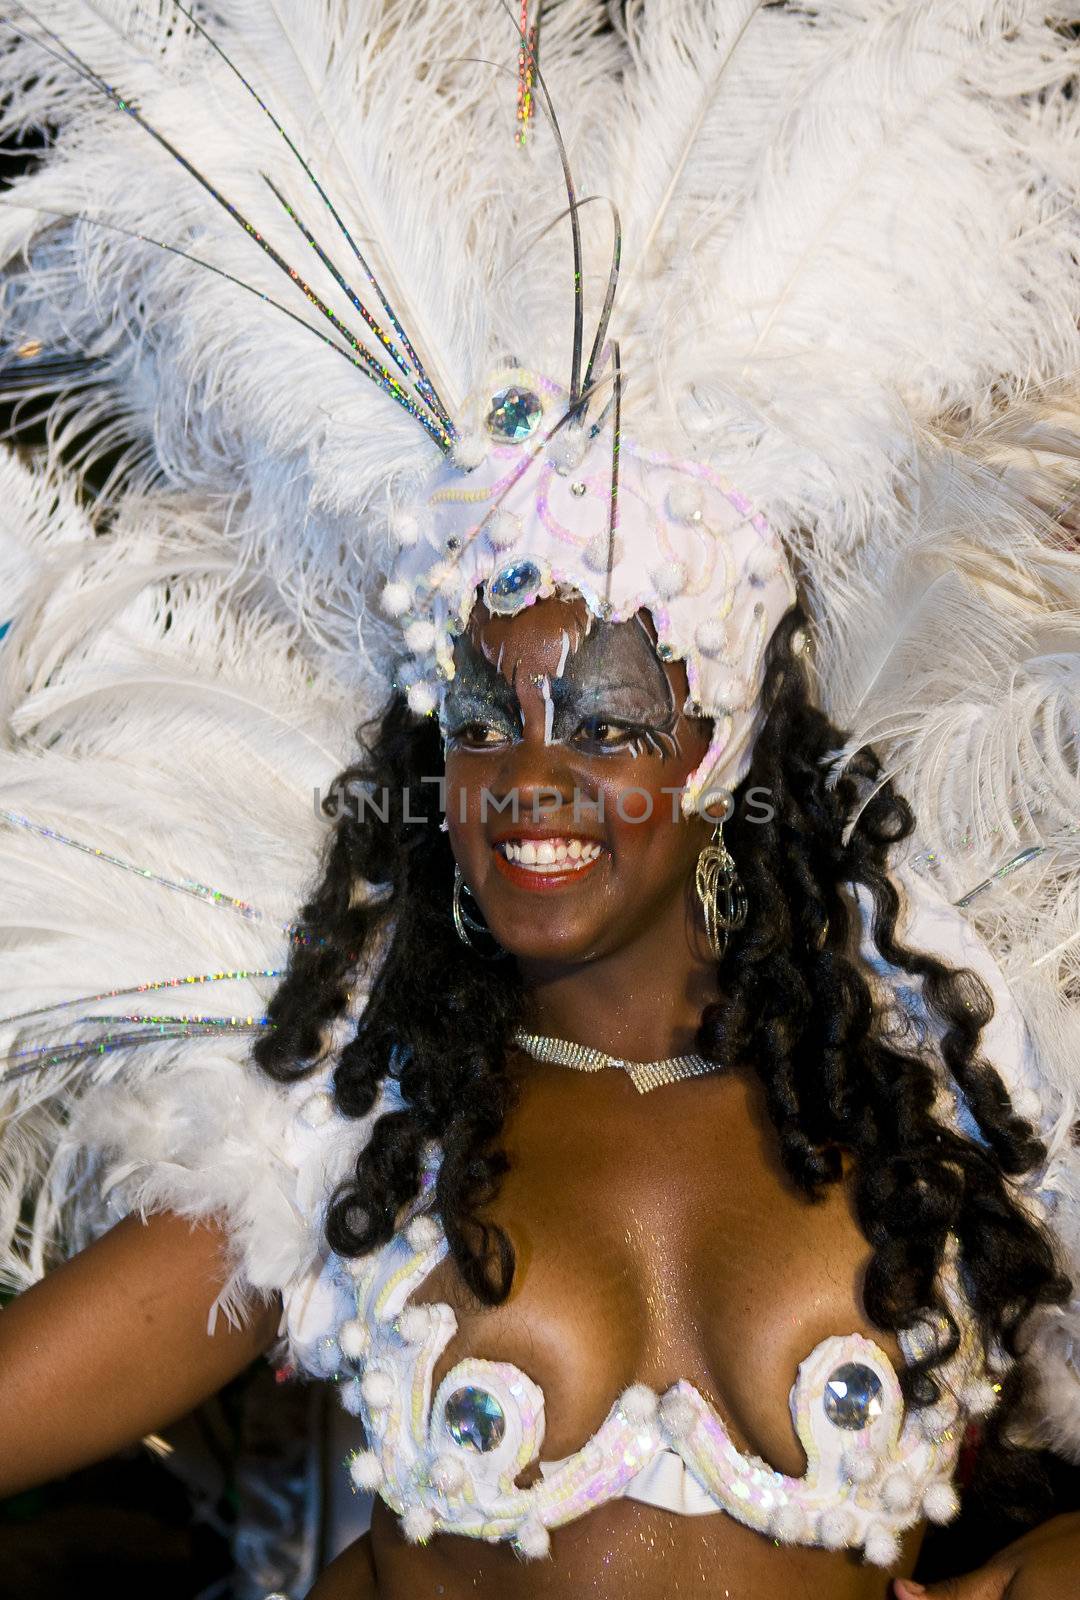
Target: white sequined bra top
451 1462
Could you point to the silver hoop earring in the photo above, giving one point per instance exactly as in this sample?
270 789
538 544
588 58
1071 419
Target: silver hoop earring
466 923
721 893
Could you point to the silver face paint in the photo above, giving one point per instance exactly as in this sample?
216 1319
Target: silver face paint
610 695
480 708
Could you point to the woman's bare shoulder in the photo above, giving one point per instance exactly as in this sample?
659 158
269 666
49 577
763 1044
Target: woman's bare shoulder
350 1577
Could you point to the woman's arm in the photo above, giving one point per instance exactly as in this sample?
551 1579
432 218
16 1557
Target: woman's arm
1043 1565
113 1345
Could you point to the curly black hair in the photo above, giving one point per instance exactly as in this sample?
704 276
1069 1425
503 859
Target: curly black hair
843 1091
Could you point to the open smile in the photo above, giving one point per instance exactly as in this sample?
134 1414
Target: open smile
537 862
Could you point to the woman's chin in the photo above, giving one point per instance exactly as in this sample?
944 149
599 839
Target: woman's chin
543 933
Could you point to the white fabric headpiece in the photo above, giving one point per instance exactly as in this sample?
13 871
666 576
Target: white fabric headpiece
544 505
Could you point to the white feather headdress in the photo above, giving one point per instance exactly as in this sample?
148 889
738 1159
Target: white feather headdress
848 286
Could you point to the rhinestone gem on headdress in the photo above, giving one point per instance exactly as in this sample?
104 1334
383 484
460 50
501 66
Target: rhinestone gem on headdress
515 413
474 1418
513 586
853 1396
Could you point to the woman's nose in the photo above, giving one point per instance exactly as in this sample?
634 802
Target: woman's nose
533 781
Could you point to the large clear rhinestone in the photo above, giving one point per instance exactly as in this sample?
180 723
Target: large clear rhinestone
514 414
853 1396
474 1418
509 589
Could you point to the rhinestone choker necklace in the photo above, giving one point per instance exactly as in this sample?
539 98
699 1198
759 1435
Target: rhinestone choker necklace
644 1075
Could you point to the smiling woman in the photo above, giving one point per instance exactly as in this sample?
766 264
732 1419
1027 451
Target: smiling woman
642 1364
565 749
657 1126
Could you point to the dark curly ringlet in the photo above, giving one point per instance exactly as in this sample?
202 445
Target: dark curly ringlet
793 1004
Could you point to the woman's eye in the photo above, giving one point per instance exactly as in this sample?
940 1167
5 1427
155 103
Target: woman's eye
607 734
478 735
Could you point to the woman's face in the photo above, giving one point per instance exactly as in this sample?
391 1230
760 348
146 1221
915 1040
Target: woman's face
566 752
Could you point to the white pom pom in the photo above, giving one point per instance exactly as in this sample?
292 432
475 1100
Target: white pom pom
447 1474
789 1524
365 1470
898 1490
420 636
677 1415
353 1338
940 1501
422 698
503 530
422 1233
980 1399
469 450
669 580
414 1324
860 1466
638 1403
710 638
882 1547
350 1397
377 1389
404 527
566 451
396 598
532 1539
835 1528
685 500
317 1109
418 1524
596 552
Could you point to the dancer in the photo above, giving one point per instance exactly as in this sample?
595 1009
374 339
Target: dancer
668 466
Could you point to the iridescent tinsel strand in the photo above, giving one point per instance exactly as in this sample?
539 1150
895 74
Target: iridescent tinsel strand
423 382
200 891
44 1056
388 384
363 366
152 986
575 224
528 57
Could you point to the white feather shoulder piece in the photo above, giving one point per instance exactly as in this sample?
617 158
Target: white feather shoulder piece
164 748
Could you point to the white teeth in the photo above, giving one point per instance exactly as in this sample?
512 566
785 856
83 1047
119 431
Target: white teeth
560 855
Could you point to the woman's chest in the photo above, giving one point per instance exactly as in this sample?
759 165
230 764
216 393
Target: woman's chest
656 1240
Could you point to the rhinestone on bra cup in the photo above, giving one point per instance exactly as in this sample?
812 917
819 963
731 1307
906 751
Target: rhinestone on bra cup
852 1397
474 1418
